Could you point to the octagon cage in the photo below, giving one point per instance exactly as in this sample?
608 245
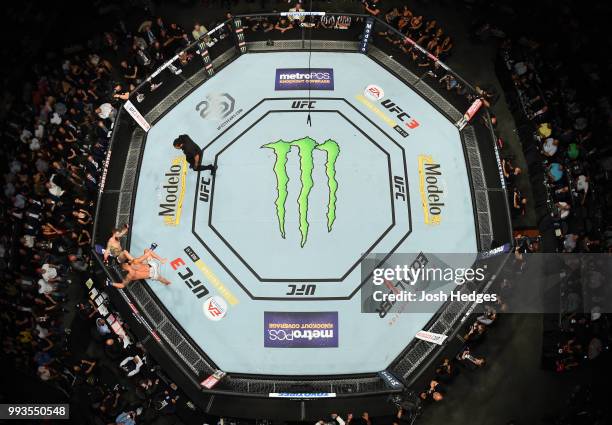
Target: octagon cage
149 320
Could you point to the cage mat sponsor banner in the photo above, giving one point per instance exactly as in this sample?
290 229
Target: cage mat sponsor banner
300 329
304 79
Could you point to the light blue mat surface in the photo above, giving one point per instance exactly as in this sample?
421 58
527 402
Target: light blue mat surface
234 223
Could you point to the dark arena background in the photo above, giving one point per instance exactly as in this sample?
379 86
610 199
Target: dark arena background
330 212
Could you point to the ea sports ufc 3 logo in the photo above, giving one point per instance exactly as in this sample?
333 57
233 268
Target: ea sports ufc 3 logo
306 148
375 92
400 114
215 308
216 106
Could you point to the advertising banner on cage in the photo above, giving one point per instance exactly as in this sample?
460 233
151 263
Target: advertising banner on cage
390 380
503 249
366 36
304 13
135 113
300 329
304 79
408 40
105 170
470 113
213 379
431 337
473 109
302 396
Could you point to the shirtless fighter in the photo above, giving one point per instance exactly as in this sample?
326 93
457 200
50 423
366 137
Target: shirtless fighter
113 246
144 267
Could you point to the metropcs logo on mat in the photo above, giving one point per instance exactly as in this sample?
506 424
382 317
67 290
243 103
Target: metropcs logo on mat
173 192
431 188
306 147
304 79
300 329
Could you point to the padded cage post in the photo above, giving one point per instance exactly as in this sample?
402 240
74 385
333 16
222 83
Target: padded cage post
366 36
239 35
208 66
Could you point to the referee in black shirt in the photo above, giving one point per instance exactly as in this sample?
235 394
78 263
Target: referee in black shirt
192 153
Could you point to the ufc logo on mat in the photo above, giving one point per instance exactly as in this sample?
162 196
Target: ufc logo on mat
301 290
303 104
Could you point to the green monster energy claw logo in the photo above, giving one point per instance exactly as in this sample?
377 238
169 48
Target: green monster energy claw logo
306 147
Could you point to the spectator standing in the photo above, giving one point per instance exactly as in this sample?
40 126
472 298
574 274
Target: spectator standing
372 7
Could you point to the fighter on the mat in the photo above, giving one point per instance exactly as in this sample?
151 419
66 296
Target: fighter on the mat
144 267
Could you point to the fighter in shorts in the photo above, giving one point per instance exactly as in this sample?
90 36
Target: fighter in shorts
113 246
144 267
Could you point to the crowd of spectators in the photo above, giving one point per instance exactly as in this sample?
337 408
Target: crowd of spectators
564 121
57 136
426 32
59 133
466 359
412 28
295 20
556 136
410 405
563 115
154 43
57 143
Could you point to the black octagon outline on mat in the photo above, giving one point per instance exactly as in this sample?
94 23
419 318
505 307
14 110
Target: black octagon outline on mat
289 280
313 280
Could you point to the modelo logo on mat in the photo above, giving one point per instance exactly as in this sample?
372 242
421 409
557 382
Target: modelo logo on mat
431 187
172 192
215 308
304 79
300 329
374 92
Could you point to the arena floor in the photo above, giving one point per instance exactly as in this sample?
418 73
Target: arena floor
274 242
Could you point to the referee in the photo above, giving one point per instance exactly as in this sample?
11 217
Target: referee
192 154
